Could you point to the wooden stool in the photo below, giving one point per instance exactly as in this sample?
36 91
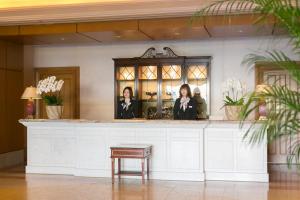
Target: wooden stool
133 151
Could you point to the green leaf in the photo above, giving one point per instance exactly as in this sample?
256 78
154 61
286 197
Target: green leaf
52 100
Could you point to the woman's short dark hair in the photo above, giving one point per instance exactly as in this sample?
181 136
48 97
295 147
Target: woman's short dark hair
188 89
130 91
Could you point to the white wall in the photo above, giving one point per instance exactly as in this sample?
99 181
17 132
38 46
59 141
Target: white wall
96 66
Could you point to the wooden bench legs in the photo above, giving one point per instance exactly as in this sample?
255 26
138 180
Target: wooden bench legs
113 170
125 173
148 168
143 170
119 168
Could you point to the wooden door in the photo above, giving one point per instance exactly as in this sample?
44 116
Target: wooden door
70 90
279 149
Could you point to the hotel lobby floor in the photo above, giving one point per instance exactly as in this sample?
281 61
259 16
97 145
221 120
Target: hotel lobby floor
15 185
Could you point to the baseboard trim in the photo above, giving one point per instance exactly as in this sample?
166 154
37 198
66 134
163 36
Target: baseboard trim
252 177
161 175
11 159
178 176
49 170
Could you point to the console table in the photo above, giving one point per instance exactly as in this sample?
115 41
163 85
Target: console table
133 151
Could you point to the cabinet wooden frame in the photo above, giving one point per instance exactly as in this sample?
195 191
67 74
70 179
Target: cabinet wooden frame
137 62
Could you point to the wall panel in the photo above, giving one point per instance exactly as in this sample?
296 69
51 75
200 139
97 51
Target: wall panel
3 136
2 55
14 110
14 56
11 88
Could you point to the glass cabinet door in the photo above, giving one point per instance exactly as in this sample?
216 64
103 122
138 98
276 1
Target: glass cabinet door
197 77
171 82
148 91
125 78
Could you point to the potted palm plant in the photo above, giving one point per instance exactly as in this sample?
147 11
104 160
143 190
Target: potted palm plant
283 121
233 92
49 88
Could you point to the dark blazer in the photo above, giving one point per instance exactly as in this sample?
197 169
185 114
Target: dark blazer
127 114
190 112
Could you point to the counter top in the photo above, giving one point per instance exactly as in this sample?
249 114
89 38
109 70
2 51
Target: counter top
133 122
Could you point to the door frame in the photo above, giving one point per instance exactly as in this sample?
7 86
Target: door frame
76 71
261 68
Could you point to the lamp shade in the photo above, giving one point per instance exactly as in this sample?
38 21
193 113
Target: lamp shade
30 93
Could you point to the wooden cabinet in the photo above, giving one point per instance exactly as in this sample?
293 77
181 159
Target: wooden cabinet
156 78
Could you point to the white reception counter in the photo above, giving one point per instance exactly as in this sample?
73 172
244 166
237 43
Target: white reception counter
182 150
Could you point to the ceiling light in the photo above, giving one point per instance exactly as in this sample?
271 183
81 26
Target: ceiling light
36 3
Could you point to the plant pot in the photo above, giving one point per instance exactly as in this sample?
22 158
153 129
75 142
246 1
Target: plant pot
233 112
54 112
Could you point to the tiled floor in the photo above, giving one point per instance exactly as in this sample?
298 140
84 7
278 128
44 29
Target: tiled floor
15 185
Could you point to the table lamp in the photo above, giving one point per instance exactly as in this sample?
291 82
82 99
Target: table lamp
262 108
30 94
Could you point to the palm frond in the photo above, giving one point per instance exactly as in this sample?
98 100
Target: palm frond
281 121
283 96
294 156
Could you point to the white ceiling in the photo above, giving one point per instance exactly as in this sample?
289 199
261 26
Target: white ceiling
50 11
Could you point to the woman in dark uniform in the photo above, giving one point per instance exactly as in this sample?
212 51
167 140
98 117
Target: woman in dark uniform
185 107
127 108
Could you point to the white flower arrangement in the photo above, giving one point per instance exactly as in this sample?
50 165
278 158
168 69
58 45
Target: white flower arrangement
49 84
234 92
49 88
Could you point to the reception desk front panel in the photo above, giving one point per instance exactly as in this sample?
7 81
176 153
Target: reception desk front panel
194 151
228 156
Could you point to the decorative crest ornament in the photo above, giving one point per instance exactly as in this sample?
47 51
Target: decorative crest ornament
153 53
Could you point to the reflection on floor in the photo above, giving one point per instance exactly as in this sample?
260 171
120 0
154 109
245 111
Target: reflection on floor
15 185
